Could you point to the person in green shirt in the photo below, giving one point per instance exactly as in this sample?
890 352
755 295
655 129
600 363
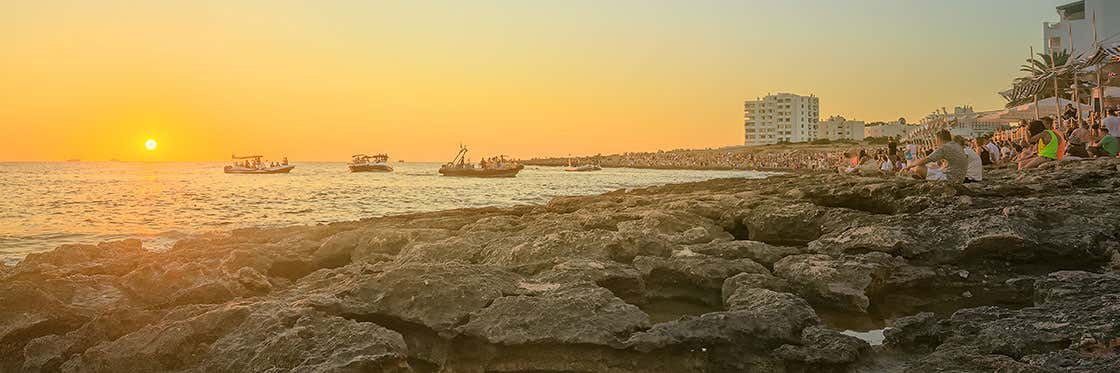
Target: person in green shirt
1106 146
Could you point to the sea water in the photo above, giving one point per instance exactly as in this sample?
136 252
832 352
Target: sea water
44 205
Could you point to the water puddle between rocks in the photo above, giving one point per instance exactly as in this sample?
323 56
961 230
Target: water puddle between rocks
873 337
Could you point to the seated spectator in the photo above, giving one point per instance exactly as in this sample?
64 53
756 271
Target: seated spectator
1104 145
1047 149
951 152
975 171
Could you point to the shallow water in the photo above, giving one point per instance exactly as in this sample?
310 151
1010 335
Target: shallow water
44 205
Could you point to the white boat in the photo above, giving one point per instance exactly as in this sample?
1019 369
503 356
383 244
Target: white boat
369 163
252 164
581 168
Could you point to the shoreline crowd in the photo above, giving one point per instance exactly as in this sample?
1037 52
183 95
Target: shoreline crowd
1032 144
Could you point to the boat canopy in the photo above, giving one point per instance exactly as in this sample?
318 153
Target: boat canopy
376 157
248 157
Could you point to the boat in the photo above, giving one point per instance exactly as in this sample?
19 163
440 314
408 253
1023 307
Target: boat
370 163
494 167
72 160
581 168
252 164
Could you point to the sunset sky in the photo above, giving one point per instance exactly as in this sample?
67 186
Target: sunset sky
321 80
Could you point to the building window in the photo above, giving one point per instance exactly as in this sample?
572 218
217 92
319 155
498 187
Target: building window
1055 42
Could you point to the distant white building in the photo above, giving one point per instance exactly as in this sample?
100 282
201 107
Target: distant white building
839 128
893 129
781 117
1077 17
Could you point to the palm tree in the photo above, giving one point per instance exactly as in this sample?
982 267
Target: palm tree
1039 66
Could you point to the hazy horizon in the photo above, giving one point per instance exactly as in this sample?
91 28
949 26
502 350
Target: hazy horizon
321 81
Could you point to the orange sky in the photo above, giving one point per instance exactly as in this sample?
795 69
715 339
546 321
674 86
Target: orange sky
323 80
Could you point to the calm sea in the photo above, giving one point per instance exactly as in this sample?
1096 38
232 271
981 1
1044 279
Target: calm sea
43 205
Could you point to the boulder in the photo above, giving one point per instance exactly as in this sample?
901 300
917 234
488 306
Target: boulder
759 252
693 276
845 282
576 314
758 319
747 280
438 297
282 338
823 349
622 280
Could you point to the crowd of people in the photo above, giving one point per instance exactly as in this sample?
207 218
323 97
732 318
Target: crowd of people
946 157
797 160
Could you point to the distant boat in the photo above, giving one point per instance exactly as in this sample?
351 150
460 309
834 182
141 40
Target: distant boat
581 168
369 163
73 160
497 168
114 160
252 164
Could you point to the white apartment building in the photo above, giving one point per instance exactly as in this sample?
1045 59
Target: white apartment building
1077 17
781 117
839 128
893 129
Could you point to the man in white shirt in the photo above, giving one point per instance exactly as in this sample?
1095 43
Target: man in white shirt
993 149
975 170
1112 124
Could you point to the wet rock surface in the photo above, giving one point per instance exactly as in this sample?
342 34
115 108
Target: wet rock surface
1015 274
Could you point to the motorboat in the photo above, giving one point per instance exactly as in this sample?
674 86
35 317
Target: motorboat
252 164
581 168
494 167
370 163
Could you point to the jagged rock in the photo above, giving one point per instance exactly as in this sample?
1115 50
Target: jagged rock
694 276
300 339
845 282
911 332
823 348
749 280
675 228
785 224
178 283
27 312
1074 318
622 280
439 297
757 318
760 252
179 341
49 352
107 258
559 314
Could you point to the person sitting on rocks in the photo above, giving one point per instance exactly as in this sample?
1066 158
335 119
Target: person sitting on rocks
948 151
1103 144
975 163
1047 141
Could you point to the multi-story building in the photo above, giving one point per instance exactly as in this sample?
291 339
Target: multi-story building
782 117
839 128
1077 19
892 129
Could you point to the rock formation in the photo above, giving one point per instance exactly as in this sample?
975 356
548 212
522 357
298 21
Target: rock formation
1015 274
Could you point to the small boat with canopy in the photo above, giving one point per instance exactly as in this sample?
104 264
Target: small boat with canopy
370 163
253 164
493 167
581 168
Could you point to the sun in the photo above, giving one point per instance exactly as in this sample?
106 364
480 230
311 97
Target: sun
150 144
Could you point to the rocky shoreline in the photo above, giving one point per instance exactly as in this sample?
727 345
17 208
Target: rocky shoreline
1015 274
